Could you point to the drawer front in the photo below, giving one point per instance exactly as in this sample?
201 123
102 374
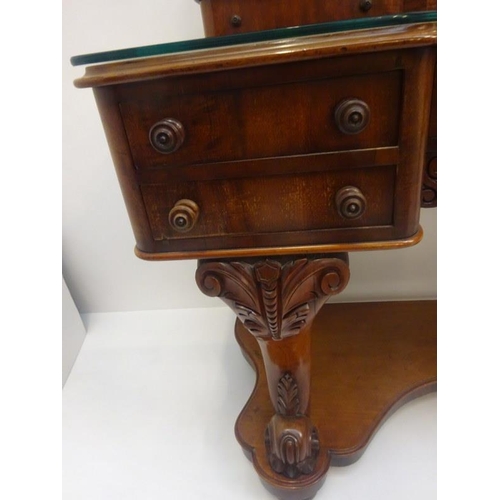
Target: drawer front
275 204
259 158
344 113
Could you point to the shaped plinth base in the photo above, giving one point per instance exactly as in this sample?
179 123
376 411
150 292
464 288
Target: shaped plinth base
368 359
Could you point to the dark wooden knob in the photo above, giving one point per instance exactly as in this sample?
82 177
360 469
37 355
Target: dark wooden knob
365 5
352 116
167 135
236 21
183 215
350 202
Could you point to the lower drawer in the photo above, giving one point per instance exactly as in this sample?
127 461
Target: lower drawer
337 199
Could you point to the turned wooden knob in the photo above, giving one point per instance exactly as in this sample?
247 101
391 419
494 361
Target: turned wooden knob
167 135
350 202
184 215
352 116
365 5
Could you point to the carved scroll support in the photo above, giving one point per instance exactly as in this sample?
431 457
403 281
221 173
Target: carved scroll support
277 300
291 439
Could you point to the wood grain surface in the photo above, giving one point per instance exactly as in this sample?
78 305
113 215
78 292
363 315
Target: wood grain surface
225 17
368 359
261 155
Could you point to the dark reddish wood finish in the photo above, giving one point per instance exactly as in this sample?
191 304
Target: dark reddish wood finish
317 406
274 298
257 15
289 250
268 205
278 116
277 301
368 359
263 157
429 174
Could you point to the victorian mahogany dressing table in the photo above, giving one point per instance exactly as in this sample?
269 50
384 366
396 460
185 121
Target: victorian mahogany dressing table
269 153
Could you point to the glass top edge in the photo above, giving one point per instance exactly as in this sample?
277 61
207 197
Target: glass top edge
255 36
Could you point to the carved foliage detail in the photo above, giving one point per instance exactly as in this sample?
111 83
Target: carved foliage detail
267 274
292 442
288 396
274 299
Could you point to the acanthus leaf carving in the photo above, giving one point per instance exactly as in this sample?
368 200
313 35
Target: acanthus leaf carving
288 396
267 274
274 299
291 440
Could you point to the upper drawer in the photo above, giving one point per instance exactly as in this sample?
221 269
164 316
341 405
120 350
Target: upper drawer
343 113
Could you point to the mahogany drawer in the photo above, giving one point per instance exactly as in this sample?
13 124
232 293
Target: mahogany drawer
304 201
259 121
262 156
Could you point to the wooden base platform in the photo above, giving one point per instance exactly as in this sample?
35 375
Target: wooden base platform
368 359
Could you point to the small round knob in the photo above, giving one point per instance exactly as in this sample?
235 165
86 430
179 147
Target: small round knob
365 5
352 116
167 135
350 202
183 215
236 21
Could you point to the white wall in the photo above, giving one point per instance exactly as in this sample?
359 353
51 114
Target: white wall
73 332
98 261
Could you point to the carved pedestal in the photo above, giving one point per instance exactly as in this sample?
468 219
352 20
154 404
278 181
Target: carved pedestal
322 389
276 300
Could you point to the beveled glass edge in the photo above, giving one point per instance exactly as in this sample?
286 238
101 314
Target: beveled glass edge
255 36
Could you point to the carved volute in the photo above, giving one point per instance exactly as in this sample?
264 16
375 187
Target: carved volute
274 298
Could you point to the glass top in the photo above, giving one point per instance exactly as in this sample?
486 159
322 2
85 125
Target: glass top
256 36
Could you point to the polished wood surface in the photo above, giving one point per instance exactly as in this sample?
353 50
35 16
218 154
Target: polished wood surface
275 298
256 54
368 359
226 17
279 115
264 204
289 250
276 301
263 153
